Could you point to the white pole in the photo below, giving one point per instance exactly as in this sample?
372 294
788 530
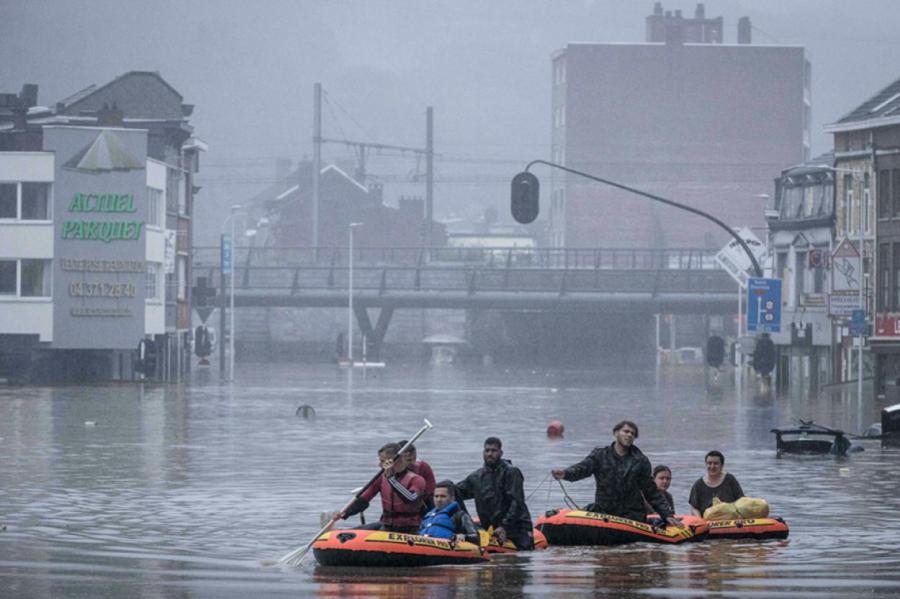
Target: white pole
350 299
231 308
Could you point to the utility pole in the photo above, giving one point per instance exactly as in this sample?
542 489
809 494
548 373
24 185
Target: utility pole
317 164
360 148
429 174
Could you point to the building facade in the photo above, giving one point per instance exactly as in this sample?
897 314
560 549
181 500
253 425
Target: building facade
801 233
95 233
683 116
867 162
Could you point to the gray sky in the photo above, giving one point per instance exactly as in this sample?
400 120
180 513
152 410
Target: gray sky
249 67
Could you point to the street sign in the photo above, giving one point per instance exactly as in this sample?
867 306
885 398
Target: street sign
764 305
735 260
842 304
226 255
845 267
858 324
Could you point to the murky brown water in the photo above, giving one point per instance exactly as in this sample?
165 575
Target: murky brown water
117 491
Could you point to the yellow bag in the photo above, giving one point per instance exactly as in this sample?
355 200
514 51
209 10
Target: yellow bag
719 510
752 507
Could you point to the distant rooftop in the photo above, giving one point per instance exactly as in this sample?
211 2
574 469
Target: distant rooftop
883 108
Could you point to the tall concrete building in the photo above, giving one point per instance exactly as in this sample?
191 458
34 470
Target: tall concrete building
682 115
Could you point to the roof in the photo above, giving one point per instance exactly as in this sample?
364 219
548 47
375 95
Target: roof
879 110
105 153
142 94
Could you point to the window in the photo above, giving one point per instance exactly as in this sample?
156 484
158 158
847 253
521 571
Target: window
819 273
884 284
867 224
800 277
896 302
883 192
781 266
25 201
895 190
25 278
865 207
35 201
8 200
848 204
151 280
35 278
154 207
7 277
182 278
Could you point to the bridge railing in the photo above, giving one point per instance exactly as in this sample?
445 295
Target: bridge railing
470 279
501 258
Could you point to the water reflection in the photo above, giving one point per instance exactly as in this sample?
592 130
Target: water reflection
182 491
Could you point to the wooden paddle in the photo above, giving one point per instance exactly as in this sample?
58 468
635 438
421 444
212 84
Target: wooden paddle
295 557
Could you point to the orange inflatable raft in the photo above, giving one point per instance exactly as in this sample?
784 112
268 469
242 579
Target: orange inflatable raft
578 527
751 528
391 549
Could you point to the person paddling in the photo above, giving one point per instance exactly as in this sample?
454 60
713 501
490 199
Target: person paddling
716 483
622 475
423 469
402 493
448 520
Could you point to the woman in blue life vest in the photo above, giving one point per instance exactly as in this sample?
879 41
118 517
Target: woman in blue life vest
448 520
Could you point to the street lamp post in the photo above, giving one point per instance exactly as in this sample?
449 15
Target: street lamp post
235 210
350 294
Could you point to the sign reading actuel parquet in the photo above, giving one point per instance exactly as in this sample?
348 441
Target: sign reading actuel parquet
99 285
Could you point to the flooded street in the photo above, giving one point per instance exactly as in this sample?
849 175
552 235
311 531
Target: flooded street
168 491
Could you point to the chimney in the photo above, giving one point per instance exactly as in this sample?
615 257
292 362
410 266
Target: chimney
110 116
655 25
700 12
674 29
744 30
28 95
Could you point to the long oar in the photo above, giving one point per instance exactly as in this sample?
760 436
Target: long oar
295 557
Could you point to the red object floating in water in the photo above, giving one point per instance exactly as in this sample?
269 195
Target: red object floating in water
555 429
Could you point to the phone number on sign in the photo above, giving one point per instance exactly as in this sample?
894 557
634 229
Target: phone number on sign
98 289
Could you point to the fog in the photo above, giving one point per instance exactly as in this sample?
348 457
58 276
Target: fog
249 69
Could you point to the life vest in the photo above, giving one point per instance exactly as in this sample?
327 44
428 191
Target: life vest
439 523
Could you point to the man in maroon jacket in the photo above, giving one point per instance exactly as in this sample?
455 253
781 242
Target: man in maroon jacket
402 494
423 469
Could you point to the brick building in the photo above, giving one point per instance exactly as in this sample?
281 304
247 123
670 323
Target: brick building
684 116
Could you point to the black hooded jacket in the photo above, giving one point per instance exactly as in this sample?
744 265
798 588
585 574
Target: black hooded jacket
499 496
622 483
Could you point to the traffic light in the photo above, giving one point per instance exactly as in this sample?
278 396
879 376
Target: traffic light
764 355
202 342
525 192
715 351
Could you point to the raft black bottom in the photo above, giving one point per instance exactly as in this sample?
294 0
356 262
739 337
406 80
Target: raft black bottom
380 559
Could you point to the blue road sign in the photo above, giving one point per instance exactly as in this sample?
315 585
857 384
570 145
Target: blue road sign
764 305
858 324
226 255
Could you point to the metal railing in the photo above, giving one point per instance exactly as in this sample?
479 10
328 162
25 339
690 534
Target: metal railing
504 258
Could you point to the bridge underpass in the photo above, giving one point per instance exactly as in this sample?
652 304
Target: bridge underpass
543 286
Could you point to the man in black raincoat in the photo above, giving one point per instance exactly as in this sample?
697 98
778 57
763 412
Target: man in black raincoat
623 477
497 488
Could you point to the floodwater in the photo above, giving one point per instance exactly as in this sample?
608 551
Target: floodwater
193 491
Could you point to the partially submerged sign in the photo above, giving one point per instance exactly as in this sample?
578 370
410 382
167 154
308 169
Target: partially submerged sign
734 258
